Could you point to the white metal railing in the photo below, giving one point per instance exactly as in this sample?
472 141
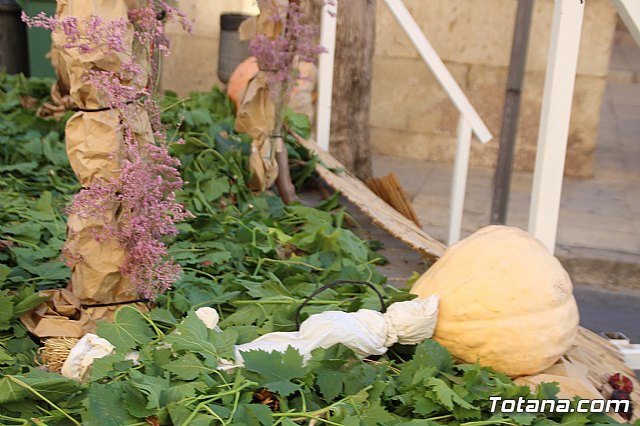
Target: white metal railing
553 133
556 111
554 120
328 25
469 123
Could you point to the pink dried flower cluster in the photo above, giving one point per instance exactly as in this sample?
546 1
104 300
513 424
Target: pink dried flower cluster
145 192
87 34
277 56
147 181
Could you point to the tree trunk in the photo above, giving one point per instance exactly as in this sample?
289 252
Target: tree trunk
351 100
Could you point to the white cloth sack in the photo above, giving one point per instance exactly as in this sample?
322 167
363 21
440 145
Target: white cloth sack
88 348
366 332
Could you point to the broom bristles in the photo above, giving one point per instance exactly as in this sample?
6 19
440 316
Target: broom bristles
55 352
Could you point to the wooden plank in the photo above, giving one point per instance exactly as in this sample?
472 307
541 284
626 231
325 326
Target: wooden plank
381 213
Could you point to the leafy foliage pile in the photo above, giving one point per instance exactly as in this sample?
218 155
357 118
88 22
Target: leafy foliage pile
249 256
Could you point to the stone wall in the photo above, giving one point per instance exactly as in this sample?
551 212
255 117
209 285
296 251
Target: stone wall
193 63
413 117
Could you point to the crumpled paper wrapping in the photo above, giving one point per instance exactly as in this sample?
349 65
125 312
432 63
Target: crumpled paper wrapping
63 316
256 117
256 111
94 143
60 103
255 108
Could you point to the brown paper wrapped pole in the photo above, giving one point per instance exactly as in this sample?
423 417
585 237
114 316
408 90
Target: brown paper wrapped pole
259 116
94 144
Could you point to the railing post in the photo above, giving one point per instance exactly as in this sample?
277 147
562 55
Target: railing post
554 121
459 184
328 26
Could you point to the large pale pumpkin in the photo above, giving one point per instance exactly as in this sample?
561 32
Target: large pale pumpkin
504 301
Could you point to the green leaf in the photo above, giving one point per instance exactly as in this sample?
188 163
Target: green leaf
128 330
179 414
105 407
27 232
19 167
215 188
575 419
275 370
330 384
446 395
27 303
375 415
45 205
5 358
432 354
52 271
151 386
187 367
179 392
547 390
192 335
52 386
105 366
254 415
159 315
6 308
4 273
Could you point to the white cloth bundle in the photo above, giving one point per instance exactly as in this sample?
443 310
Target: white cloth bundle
366 332
88 348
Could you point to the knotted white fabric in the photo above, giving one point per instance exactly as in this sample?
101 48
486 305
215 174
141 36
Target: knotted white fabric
88 348
366 332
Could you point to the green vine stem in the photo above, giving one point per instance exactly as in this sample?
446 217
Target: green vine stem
42 397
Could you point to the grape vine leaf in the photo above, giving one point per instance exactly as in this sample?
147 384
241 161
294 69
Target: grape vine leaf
104 406
52 386
446 396
192 335
151 386
254 415
6 309
128 330
187 367
5 358
376 414
275 370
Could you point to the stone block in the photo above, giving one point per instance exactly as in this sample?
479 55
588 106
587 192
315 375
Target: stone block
481 32
207 14
406 95
463 31
418 145
192 65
